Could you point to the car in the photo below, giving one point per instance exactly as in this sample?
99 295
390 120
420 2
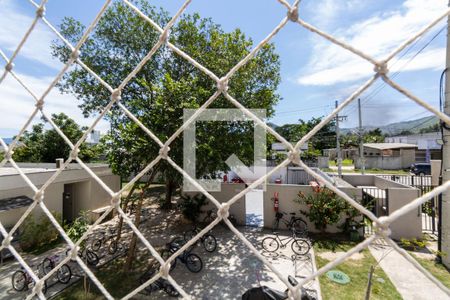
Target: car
421 169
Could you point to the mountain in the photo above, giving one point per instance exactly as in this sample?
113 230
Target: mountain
392 129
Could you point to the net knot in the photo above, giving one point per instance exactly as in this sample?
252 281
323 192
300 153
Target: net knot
39 196
164 152
222 84
8 155
115 200
164 270
293 14
74 153
40 12
294 156
75 54
39 104
164 37
6 242
223 211
9 66
74 252
116 94
382 229
38 286
381 68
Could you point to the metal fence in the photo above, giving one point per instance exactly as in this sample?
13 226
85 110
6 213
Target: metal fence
381 224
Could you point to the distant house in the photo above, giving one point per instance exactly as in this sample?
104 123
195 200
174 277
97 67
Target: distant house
73 191
93 138
388 156
426 142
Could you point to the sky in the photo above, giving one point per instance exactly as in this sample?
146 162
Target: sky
314 72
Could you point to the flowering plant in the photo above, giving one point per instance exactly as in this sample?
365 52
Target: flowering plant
325 207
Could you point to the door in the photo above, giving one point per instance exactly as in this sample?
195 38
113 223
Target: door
67 207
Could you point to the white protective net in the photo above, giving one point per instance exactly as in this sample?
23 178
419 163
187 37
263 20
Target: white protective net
380 71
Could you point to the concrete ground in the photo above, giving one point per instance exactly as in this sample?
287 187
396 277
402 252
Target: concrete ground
233 269
254 208
227 273
409 282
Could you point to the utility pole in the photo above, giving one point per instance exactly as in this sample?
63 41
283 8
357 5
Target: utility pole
362 161
338 144
445 218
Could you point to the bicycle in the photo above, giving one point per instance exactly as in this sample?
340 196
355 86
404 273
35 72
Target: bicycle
299 246
21 281
86 254
295 223
208 240
192 261
64 273
159 284
106 239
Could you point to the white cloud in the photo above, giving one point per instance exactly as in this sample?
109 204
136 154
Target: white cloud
14 116
377 36
13 26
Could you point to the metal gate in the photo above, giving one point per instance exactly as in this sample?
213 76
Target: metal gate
376 200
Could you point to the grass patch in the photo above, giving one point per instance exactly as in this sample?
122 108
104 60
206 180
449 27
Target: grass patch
357 270
436 268
115 280
345 162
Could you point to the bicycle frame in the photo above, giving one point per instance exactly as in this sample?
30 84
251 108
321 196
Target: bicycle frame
289 238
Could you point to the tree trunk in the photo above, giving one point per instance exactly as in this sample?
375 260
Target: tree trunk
170 186
132 248
124 208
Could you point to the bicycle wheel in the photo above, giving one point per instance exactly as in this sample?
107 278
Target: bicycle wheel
95 245
19 280
47 265
300 226
91 257
112 246
275 224
270 244
194 263
209 243
170 290
165 254
64 274
300 246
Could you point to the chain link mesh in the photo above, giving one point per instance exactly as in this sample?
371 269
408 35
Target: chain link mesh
292 15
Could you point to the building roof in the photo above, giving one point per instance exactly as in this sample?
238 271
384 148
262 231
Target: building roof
385 146
14 202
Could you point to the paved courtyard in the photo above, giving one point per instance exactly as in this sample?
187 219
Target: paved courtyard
233 269
227 273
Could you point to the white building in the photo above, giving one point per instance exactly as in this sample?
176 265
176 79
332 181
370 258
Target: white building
424 141
73 191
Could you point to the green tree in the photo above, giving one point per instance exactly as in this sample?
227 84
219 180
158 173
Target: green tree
167 84
325 138
40 145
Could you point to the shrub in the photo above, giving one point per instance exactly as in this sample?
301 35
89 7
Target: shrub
412 244
325 207
78 227
191 206
36 233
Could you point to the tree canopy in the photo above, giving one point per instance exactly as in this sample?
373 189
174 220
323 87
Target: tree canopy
41 145
167 84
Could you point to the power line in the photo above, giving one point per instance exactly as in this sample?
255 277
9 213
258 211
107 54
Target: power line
396 73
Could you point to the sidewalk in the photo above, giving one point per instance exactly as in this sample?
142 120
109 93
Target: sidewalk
409 281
